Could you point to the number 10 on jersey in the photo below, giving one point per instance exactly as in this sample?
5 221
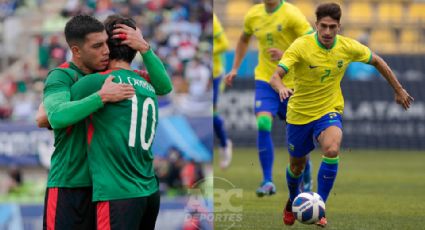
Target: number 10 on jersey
145 142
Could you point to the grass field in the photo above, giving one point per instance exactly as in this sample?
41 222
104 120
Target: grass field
373 190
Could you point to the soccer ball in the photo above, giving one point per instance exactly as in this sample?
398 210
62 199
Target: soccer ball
308 207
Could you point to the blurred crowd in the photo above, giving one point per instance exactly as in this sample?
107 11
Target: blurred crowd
179 31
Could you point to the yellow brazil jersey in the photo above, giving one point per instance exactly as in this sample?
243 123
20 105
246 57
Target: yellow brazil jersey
318 72
277 29
220 44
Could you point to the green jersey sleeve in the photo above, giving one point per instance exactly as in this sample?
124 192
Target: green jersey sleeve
87 86
158 75
61 111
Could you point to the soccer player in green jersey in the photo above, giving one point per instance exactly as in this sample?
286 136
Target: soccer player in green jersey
119 139
68 194
319 62
275 24
68 197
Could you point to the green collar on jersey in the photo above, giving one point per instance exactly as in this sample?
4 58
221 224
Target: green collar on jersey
321 45
275 9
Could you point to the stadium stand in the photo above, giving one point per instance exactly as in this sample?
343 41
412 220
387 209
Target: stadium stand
382 20
360 12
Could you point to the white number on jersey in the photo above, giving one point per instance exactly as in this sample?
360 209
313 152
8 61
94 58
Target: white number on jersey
148 102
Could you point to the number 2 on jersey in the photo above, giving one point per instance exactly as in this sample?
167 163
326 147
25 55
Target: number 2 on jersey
148 102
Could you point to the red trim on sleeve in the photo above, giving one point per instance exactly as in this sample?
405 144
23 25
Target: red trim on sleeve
52 201
64 65
144 74
103 217
106 71
69 130
90 130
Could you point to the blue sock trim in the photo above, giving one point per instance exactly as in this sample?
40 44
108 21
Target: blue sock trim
293 184
326 178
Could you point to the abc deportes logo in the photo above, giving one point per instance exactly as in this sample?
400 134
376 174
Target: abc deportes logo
214 200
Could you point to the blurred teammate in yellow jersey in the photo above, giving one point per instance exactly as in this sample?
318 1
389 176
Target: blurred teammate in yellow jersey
275 24
220 44
319 62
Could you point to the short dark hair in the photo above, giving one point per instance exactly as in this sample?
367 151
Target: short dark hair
332 10
80 26
116 50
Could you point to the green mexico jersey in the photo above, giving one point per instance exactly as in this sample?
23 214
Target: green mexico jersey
69 167
119 138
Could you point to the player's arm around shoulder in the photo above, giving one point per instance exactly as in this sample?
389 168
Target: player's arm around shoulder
62 112
106 86
402 97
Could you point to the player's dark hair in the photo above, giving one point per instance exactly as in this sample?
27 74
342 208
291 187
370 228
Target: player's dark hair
332 10
116 50
79 27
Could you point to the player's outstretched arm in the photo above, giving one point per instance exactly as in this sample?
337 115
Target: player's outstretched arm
277 84
241 48
401 96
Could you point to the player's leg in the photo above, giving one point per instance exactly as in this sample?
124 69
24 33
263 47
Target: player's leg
329 136
69 208
266 107
307 181
300 143
151 212
219 130
120 214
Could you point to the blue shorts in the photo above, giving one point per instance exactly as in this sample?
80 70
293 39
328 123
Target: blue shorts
216 89
301 137
267 100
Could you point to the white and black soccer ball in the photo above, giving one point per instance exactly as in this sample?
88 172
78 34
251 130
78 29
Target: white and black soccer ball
308 207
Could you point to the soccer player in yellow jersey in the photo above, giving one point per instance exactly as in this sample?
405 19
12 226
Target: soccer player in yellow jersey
319 61
275 24
220 45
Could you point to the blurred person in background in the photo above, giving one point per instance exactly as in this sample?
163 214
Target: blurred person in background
275 24
220 44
